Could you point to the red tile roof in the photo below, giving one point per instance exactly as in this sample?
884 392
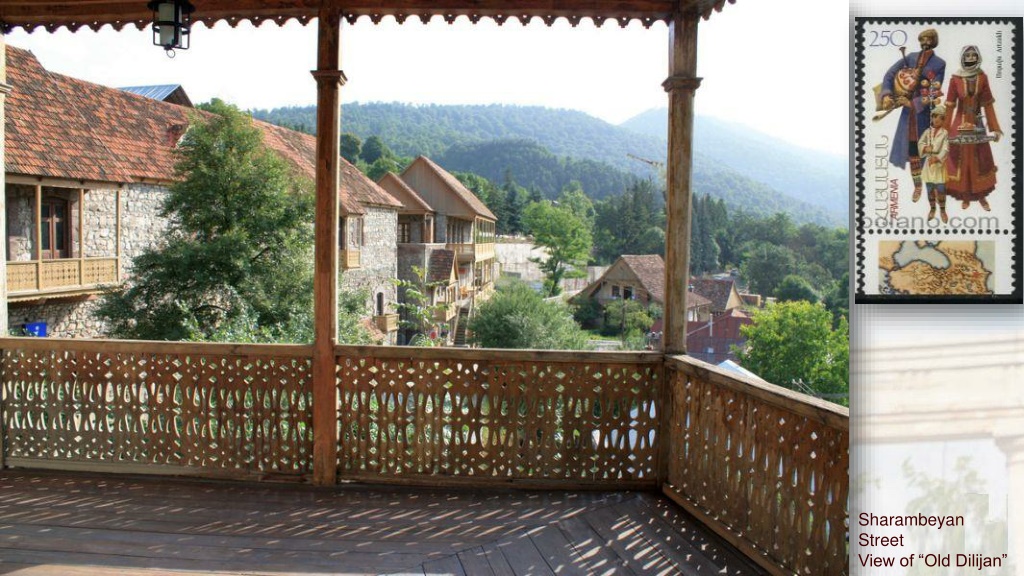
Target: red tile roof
62 127
457 188
442 261
716 290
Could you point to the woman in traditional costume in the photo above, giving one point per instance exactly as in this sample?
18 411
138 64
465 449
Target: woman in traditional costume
970 169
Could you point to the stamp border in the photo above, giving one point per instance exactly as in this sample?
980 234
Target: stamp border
858 229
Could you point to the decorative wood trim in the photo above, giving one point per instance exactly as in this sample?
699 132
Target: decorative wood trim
26 180
681 82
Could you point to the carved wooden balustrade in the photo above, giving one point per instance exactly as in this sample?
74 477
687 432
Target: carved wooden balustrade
214 410
31 278
488 417
763 466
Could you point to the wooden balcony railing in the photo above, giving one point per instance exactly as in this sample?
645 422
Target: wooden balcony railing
213 410
26 279
386 323
463 252
446 312
486 417
765 467
349 259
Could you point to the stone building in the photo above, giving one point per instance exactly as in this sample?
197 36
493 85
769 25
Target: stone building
439 215
87 170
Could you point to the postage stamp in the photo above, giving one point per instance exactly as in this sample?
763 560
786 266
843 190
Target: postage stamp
937 168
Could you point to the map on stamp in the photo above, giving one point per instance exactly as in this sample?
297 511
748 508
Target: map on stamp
923 267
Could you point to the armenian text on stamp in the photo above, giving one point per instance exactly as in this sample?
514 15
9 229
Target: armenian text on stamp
938 192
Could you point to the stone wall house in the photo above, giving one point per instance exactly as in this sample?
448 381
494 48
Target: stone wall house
87 171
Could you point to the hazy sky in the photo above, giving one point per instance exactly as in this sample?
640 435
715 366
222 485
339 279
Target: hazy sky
760 67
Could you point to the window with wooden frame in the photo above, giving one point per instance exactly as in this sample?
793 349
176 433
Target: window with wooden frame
404 233
55 233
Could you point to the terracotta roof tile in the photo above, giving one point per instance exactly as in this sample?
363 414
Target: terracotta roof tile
62 127
715 290
440 268
649 270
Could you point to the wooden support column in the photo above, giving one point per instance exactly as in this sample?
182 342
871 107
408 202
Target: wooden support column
4 90
329 79
680 85
39 237
117 231
81 235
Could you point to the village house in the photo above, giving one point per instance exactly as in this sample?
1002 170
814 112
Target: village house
722 292
640 278
87 171
442 225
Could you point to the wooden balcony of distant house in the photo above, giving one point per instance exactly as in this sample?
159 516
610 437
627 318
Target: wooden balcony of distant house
472 252
349 259
386 323
444 312
32 279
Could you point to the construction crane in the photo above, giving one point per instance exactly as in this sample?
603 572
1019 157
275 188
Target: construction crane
652 163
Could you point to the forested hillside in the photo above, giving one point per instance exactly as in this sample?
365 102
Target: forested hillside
544 149
809 175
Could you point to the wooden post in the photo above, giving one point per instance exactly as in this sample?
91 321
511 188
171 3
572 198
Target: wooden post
680 85
81 235
117 232
39 236
4 90
329 79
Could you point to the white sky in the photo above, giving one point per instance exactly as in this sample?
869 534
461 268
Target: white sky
761 66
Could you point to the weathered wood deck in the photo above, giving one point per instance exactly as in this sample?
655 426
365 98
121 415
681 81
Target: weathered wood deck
81 524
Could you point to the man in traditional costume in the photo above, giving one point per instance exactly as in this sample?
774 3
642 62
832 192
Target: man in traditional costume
913 83
970 168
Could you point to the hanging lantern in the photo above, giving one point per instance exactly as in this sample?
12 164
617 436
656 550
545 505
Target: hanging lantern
172 23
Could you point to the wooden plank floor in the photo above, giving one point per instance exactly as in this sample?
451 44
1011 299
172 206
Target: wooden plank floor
90 525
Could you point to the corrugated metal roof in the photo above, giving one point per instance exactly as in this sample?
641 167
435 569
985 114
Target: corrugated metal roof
159 92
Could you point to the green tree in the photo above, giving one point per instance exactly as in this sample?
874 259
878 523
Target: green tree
794 288
633 223
374 149
622 317
516 316
765 265
576 201
350 147
793 344
566 238
237 248
417 312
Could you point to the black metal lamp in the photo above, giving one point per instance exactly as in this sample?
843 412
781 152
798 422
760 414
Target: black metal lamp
172 24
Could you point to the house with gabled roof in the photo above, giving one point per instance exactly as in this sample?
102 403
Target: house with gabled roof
722 292
441 218
640 278
87 170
